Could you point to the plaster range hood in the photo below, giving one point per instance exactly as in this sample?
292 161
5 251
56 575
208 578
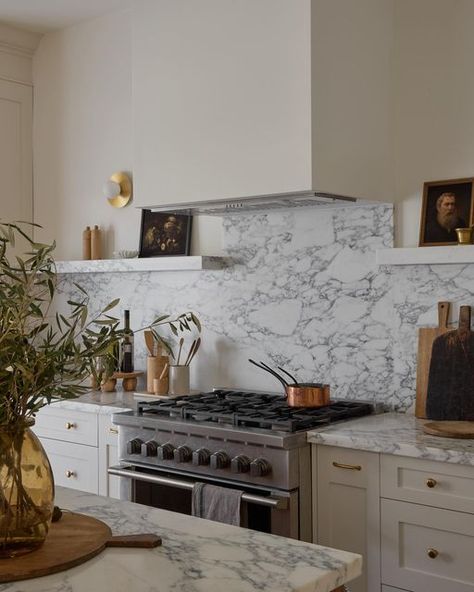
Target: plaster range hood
274 201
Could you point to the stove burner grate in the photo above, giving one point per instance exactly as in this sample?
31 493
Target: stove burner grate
254 410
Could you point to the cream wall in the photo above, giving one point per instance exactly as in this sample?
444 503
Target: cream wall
398 76
433 101
83 132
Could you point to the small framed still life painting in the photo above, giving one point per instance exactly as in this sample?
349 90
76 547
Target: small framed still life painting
164 234
447 205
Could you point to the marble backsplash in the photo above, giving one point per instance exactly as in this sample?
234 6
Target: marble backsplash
302 291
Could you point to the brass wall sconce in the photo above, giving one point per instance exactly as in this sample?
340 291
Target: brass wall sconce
118 190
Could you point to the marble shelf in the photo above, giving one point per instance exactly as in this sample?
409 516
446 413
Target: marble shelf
190 263
459 254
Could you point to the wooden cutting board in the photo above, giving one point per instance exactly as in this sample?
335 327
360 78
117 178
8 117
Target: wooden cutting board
74 539
450 429
426 336
450 395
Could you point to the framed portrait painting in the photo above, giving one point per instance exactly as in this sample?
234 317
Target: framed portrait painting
164 234
447 205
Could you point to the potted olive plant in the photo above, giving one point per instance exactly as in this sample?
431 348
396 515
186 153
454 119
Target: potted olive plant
43 356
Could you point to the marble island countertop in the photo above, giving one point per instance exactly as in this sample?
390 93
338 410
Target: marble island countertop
394 433
196 556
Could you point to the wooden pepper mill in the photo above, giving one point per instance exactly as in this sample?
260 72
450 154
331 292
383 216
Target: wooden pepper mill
96 243
86 243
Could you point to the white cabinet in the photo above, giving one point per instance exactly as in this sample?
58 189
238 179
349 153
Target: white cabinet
411 519
109 485
74 465
347 508
427 548
81 445
427 525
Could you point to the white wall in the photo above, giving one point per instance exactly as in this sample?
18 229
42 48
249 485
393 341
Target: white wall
83 132
433 101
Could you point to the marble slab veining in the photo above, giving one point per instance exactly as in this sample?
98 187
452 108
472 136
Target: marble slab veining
302 290
196 556
395 433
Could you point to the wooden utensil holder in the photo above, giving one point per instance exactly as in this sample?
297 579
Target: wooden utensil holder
154 369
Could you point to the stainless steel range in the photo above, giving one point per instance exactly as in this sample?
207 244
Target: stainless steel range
249 441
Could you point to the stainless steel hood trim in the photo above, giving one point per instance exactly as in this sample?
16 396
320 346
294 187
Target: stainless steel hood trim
306 198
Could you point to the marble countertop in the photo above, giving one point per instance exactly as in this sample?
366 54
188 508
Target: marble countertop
395 433
106 403
196 556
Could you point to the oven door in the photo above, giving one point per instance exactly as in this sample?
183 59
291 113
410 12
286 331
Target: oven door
262 509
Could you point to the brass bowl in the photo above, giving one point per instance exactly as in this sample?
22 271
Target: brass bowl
464 235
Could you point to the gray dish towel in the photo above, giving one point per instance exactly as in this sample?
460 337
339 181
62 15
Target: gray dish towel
216 503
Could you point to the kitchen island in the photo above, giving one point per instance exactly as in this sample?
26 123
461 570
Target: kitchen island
196 556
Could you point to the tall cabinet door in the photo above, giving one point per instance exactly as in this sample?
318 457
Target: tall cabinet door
348 508
16 169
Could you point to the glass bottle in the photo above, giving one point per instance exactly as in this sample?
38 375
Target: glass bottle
126 346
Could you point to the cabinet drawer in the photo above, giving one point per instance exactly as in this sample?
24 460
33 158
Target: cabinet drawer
438 484
74 465
68 425
427 549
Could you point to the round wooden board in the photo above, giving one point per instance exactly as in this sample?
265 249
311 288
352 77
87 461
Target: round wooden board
450 429
70 542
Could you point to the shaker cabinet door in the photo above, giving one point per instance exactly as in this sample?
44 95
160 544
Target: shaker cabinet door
348 515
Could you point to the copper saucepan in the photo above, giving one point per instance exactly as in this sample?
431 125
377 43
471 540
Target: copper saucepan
299 394
307 395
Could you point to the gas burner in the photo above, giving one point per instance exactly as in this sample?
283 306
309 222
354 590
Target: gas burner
252 410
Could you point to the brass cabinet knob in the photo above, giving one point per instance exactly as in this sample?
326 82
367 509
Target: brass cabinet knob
431 483
113 430
70 425
432 553
70 474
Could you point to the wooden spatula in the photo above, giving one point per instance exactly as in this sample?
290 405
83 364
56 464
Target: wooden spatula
150 342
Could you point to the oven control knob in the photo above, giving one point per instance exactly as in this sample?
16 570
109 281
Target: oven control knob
219 460
240 464
260 467
134 446
166 451
183 454
150 448
201 457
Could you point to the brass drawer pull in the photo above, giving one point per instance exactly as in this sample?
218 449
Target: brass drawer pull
70 474
432 553
113 430
343 466
70 425
431 483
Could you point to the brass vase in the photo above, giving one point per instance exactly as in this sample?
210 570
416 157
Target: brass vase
26 490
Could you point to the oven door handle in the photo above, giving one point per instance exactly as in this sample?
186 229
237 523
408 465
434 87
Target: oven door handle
276 503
